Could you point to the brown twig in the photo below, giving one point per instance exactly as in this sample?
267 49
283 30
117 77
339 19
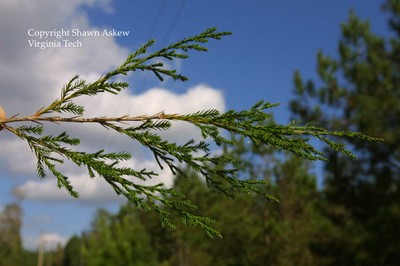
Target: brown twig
79 119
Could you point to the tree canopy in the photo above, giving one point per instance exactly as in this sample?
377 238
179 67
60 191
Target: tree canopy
359 90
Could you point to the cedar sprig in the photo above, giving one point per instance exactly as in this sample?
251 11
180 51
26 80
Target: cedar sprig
219 171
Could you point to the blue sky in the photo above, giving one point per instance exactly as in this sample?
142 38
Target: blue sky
270 40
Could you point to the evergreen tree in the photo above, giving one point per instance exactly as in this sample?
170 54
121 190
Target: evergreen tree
290 227
117 240
296 223
73 252
360 91
255 232
11 252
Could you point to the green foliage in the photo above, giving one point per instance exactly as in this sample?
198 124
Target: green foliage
254 124
353 220
73 252
11 252
256 232
359 90
115 240
10 241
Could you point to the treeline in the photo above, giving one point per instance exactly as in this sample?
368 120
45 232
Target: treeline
353 219
255 232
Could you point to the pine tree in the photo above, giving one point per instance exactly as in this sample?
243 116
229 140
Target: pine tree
255 232
255 124
73 252
359 91
11 252
287 230
116 240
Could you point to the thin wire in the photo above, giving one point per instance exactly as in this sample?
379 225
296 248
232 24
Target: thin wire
157 19
170 28
172 25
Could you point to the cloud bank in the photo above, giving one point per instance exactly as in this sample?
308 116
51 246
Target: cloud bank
32 78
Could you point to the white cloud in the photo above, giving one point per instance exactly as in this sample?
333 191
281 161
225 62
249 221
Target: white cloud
151 101
46 241
32 78
105 5
91 190
154 101
17 155
97 190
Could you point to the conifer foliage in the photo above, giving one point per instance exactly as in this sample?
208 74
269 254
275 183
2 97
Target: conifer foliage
359 89
255 124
